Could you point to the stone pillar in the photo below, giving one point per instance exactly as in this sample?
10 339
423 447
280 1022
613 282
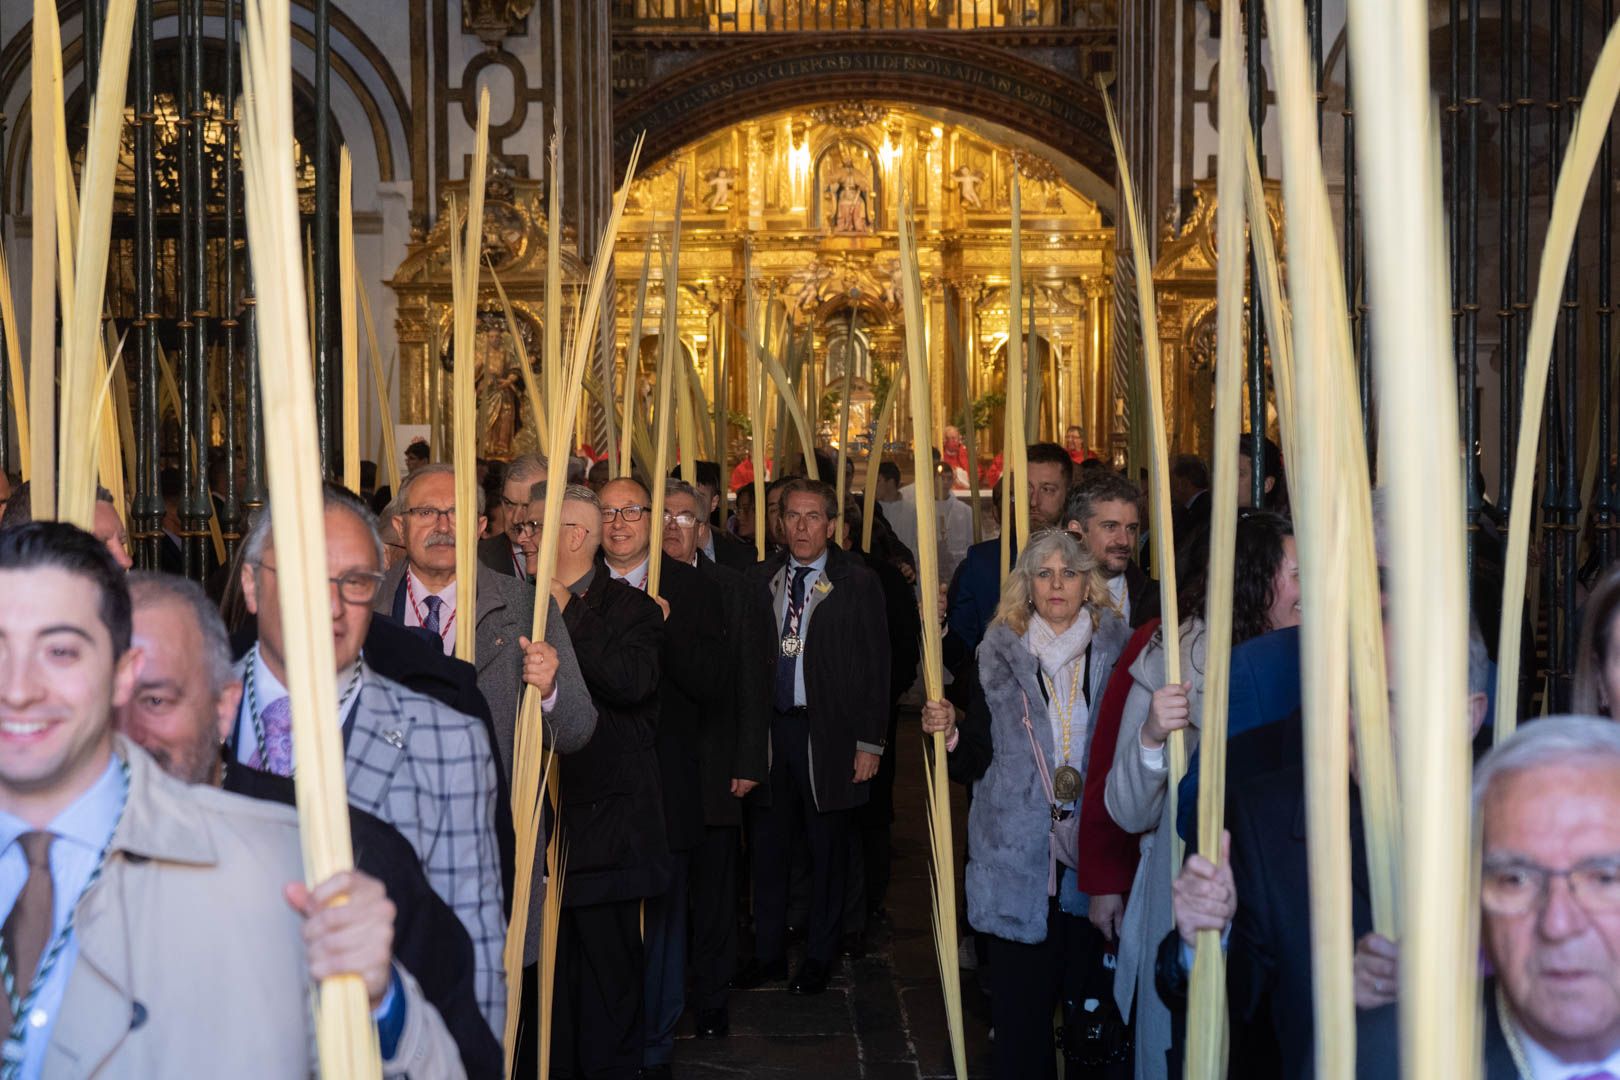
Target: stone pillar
1098 392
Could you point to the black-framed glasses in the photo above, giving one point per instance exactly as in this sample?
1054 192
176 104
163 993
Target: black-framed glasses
629 513
684 519
430 515
356 587
1517 886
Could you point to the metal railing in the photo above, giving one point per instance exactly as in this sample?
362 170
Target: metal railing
791 16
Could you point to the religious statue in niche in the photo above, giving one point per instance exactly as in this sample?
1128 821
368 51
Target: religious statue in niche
720 182
497 387
849 190
967 181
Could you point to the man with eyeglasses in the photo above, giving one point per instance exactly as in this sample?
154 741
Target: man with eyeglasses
1547 802
1260 899
504 552
423 768
694 672
420 592
733 757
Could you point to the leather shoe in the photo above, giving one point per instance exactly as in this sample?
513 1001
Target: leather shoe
756 973
713 1024
811 978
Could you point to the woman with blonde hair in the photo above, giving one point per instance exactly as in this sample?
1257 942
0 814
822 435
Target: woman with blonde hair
1044 660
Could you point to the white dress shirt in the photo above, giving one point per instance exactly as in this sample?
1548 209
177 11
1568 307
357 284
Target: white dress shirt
635 577
416 595
1122 599
817 569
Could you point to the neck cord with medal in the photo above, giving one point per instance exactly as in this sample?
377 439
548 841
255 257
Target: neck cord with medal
11 1055
421 619
1066 782
251 695
792 643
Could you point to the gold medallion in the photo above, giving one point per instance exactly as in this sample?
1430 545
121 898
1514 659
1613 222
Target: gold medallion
1066 784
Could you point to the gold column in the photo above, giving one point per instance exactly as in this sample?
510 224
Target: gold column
1099 403
937 356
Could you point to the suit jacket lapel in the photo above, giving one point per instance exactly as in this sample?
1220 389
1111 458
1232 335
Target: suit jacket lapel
391 597
102 1006
488 602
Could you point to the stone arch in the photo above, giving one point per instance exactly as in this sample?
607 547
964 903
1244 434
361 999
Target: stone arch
943 73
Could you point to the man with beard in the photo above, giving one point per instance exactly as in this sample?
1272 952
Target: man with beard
1105 512
977 588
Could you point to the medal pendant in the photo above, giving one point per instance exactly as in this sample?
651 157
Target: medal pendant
792 645
1066 784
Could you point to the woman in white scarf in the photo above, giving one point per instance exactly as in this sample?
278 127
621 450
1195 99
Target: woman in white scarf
1041 667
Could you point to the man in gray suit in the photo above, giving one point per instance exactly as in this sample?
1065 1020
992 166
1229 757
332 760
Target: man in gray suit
423 768
420 591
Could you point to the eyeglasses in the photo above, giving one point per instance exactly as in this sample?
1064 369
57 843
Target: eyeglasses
683 519
430 515
629 513
356 587
525 528
1517 887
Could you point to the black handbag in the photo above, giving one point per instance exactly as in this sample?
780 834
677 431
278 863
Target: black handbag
1096 1039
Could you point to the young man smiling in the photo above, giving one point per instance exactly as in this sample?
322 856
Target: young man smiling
155 928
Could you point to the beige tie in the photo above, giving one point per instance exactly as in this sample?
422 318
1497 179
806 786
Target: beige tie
28 927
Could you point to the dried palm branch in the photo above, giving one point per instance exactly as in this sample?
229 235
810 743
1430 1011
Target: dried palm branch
1207 1010
756 400
465 253
349 321
1407 277
1014 453
843 432
14 361
1321 535
628 414
346 1035
1580 157
381 381
1164 548
669 355
529 751
875 458
531 385
943 866
46 72
553 360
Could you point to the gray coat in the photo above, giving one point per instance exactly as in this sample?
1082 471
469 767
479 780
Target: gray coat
506 612
1010 823
1136 798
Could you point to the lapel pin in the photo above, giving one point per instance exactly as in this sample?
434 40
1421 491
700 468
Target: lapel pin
822 586
394 739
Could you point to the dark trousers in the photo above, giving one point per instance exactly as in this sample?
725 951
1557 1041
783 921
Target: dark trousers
1027 984
713 886
665 981
598 1018
791 810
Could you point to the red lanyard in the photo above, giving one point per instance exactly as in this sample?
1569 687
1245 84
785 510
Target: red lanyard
421 620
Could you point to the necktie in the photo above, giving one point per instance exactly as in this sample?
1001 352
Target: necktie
786 665
277 723
434 605
28 927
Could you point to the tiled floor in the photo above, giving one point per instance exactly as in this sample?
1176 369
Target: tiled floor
882 1017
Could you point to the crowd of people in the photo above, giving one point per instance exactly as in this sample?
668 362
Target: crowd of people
726 748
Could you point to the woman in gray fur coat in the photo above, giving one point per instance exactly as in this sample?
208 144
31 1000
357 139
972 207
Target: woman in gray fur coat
1045 659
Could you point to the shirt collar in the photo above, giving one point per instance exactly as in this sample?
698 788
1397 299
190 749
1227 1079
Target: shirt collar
636 575
819 564
88 821
447 594
267 688
580 587
707 547
1116 587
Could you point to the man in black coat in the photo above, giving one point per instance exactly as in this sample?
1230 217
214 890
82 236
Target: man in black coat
612 813
717 545
870 854
829 728
694 674
1104 511
734 760
504 552
184 707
